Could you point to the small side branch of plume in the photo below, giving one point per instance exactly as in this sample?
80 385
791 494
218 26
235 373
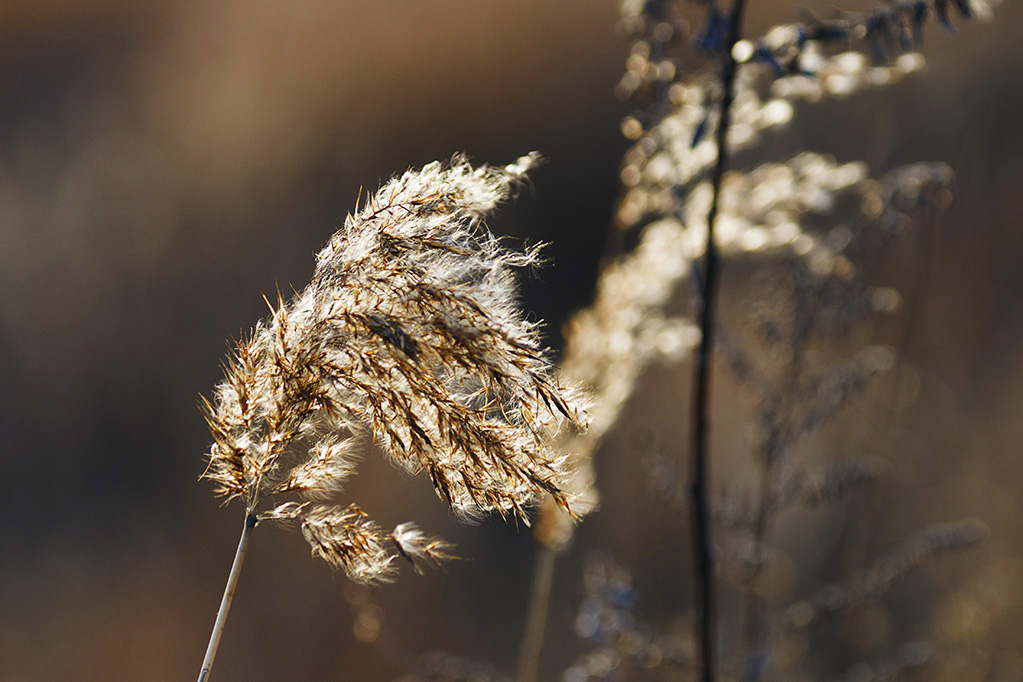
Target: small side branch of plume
878 579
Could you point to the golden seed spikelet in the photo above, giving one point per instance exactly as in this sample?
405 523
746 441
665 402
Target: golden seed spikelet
408 336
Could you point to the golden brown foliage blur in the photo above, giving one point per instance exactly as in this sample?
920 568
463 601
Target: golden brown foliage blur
163 166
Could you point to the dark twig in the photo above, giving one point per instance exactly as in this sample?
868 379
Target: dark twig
703 554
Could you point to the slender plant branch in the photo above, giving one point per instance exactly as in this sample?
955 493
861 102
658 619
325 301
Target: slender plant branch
772 454
536 616
225 602
703 554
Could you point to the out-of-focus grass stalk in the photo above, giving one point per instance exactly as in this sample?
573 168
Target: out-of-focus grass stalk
536 615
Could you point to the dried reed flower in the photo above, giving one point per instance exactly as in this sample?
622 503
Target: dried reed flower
408 336
408 331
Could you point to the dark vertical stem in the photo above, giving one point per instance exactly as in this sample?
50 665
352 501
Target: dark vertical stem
703 554
225 602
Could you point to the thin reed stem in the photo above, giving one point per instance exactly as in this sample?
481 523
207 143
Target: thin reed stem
774 450
703 543
225 602
536 616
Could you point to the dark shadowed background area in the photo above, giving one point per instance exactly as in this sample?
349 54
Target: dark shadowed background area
163 165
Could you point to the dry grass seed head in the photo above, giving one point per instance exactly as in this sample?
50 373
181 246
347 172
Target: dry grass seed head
409 332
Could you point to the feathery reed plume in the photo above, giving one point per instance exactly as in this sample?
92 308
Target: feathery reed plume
691 205
407 334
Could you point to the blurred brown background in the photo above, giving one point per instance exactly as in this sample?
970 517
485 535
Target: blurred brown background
162 165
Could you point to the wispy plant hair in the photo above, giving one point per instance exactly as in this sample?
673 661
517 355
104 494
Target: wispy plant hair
408 336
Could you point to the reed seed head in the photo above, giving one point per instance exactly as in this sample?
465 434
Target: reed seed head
408 336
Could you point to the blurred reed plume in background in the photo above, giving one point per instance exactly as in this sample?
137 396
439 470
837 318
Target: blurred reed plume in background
806 235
